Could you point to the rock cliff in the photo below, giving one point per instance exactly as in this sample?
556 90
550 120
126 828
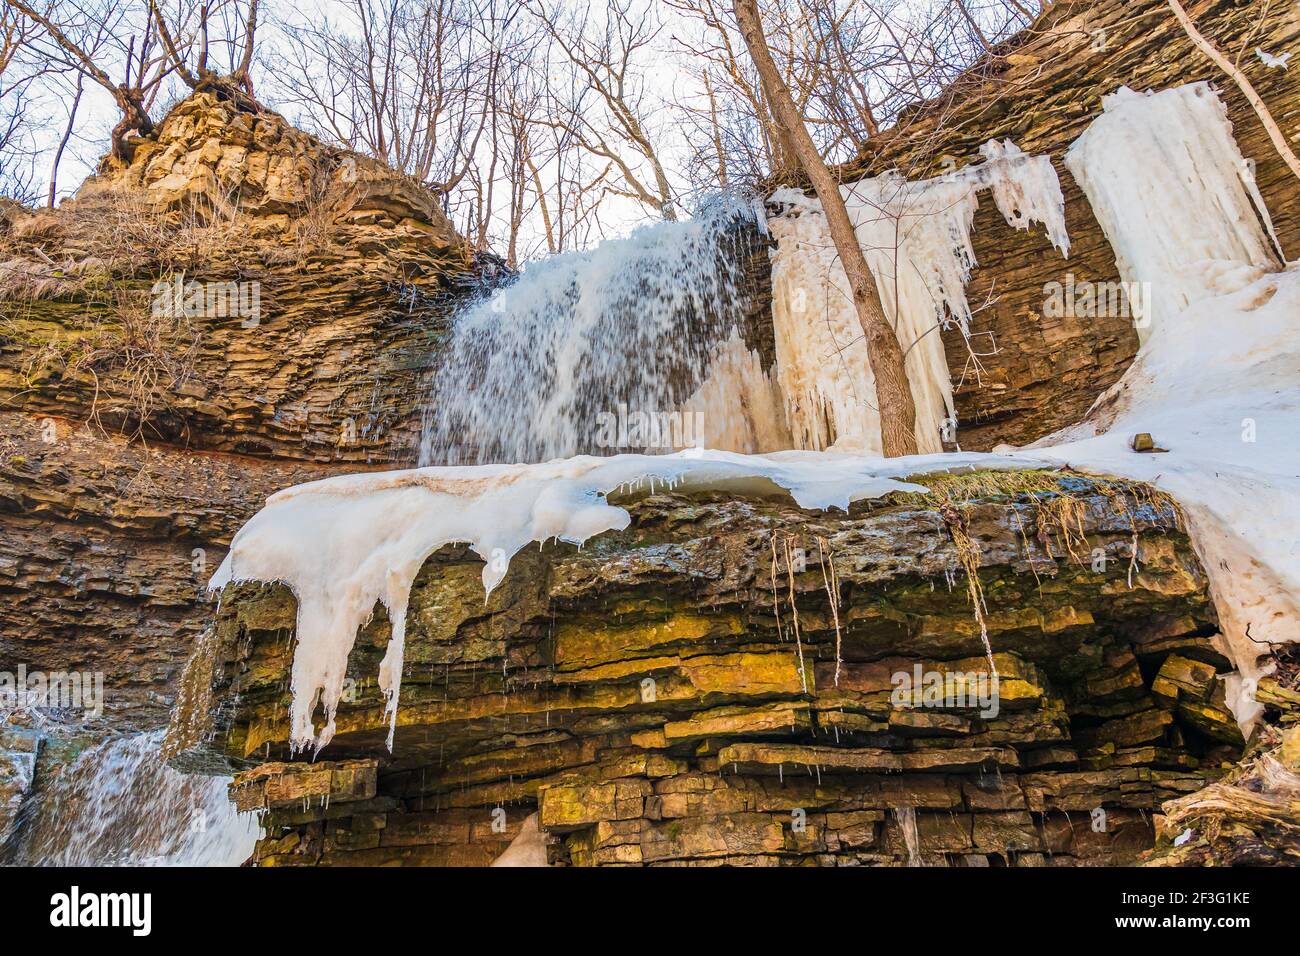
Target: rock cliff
1039 372
720 684
131 451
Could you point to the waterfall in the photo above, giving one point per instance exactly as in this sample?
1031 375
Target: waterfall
560 360
119 804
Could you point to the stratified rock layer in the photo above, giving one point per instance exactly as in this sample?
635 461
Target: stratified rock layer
132 447
356 269
686 691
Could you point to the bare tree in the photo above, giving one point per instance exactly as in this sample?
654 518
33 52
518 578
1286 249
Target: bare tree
53 190
608 114
106 39
193 49
893 392
852 68
406 81
1234 72
17 123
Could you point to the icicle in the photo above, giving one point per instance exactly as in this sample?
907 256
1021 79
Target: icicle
1174 196
917 240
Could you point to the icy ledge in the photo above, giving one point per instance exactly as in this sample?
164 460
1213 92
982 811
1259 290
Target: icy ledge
343 544
1219 387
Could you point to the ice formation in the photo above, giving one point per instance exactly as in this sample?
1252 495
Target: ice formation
345 543
635 321
1173 194
738 405
528 849
1216 381
917 239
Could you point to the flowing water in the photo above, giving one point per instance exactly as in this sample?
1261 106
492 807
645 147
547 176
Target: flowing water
540 367
119 804
906 817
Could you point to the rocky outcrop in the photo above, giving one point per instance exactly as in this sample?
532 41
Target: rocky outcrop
343 274
130 453
719 684
136 437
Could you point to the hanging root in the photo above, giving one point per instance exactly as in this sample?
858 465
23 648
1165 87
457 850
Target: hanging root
794 608
968 556
776 603
832 583
1060 515
794 613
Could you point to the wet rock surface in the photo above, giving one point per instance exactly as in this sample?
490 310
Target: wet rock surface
653 699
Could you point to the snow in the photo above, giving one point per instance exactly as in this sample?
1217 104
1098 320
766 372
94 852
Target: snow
917 239
1217 379
1173 194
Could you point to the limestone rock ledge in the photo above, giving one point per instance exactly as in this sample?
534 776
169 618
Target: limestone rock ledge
686 691
356 271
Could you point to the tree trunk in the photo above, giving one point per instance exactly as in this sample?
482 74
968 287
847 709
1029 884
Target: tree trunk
893 393
1275 135
63 143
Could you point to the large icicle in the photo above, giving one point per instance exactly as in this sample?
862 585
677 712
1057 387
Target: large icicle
917 238
1174 196
1217 380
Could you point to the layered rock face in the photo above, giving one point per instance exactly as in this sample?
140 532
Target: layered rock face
345 273
137 434
133 445
738 681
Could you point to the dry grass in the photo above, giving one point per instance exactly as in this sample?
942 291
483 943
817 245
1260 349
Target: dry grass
112 247
1059 510
1060 516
